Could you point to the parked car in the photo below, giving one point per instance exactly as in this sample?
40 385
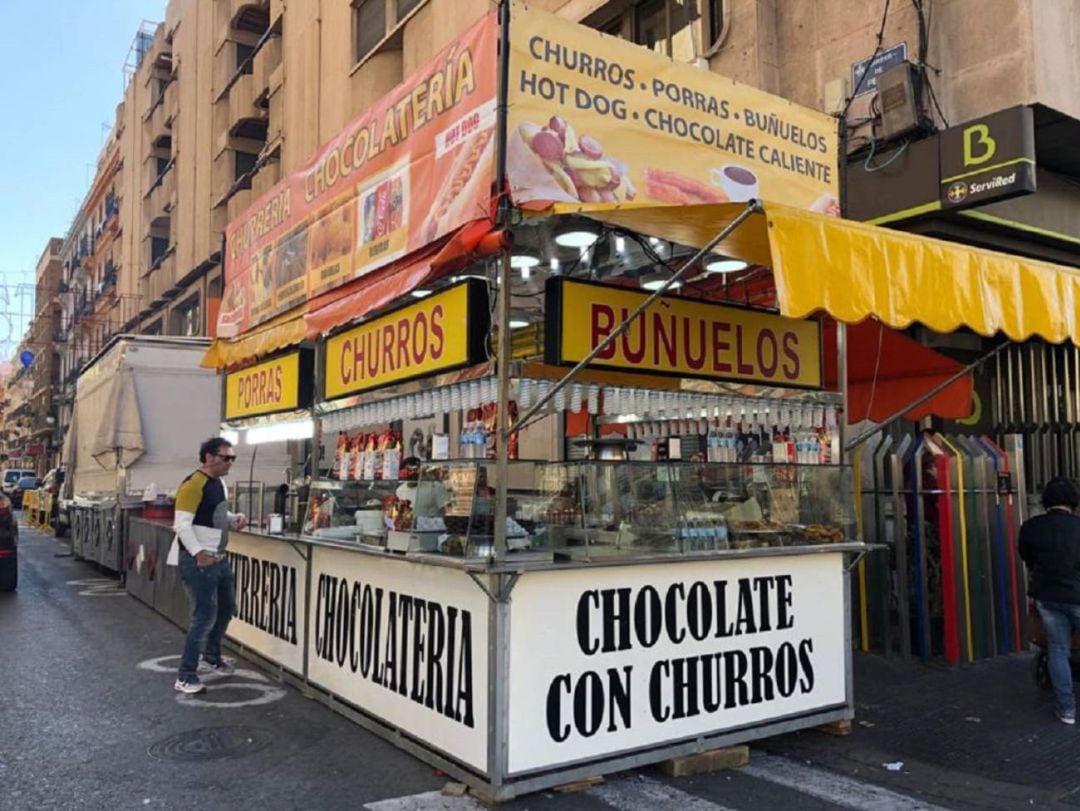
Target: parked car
53 482
9 563
24 484
11 478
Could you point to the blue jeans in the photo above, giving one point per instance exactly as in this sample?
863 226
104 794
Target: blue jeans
1060 620
210 591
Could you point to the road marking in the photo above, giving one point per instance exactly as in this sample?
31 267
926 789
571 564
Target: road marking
99 587
241 679
830 786
637 793
428 801
640 793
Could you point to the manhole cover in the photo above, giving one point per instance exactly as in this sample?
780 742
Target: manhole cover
211 743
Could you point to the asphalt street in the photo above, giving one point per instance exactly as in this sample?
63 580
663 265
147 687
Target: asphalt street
89 719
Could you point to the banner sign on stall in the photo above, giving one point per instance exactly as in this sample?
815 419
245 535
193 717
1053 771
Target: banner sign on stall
283 383
678 336
414 167
271 598
405 642
637 656
439 333
594 118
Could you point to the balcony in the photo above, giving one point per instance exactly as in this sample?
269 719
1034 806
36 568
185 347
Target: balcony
237 203
172 102
266 60
265 179
161 199
156 121
242 101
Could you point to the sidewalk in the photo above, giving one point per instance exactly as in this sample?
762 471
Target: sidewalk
984 733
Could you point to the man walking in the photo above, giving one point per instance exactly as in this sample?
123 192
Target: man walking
1050 546
202 525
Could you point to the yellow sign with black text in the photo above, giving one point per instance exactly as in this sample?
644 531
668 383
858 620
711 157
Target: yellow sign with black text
265 388
442 332
595 118
681 337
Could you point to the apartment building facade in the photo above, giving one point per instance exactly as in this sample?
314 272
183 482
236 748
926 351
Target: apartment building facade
225 97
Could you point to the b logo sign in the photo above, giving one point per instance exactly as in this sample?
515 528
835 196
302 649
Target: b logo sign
978 136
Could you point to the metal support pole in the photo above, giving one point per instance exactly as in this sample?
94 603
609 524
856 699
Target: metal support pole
752 207
502 467
842 373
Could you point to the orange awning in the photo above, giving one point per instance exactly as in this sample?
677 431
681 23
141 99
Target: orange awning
388 284
888 370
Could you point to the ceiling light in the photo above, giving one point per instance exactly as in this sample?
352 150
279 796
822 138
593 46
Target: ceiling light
654 281
523 261
519 320
576 239
420 293
720 264
554 265
620 244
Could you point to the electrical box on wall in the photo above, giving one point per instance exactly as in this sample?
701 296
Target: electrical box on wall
896 100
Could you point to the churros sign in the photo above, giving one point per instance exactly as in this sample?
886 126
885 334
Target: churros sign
681 337
439 333
594 118
416 166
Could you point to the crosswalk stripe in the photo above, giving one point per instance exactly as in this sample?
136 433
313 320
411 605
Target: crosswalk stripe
640 793
428 801
830 786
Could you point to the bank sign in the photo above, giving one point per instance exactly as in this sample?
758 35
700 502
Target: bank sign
989 159
630 657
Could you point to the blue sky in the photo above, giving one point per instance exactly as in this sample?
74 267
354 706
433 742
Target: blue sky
61 77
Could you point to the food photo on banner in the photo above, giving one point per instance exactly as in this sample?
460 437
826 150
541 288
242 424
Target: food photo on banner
412 169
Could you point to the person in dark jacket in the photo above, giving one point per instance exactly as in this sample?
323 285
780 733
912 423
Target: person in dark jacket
9 542
1050 546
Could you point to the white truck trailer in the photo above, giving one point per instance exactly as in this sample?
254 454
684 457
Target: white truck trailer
142 407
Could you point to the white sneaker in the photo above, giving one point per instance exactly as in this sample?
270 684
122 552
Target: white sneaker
190 685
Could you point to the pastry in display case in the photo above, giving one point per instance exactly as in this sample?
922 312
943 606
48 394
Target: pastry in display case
605 508
433 507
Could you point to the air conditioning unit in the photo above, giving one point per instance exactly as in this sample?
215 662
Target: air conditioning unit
897 101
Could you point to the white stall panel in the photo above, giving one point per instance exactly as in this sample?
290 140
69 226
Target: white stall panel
611 659
271 592
406 643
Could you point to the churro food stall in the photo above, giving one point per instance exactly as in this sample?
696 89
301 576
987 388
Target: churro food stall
578 495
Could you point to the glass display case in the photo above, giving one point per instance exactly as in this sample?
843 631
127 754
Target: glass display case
434 507
599 508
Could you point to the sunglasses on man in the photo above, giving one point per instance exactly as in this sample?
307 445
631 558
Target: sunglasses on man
226 457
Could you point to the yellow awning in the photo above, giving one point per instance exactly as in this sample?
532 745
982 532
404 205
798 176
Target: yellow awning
285 330
852 270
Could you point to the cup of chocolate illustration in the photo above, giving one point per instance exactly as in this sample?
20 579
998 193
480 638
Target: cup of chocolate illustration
739 183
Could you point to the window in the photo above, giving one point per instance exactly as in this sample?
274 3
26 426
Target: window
375 20
664 26
242 53
158 246
187 318
162 165
673 28
245 162
370 21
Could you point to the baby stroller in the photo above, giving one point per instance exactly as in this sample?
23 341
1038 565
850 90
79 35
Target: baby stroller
1040 670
